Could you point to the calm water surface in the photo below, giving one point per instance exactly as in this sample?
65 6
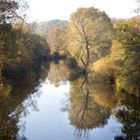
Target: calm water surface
49 122
55 108
49 117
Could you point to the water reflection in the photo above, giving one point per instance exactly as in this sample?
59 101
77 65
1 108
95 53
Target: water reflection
129 115
12 105
87 109
58 73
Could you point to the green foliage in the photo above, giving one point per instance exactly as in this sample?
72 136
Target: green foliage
122 64
128 35
20 51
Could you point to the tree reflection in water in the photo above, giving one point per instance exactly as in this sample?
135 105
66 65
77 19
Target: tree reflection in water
13 94
58 73
85 110
89 106
129 115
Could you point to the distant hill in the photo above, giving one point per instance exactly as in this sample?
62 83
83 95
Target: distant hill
43 28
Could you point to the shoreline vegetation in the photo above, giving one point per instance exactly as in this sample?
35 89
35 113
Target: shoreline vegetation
106 48
99 55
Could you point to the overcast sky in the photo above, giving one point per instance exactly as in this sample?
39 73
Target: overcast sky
44 10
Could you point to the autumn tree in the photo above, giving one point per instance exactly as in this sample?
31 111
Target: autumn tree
11 10
89 34
56 39
128 35
8 10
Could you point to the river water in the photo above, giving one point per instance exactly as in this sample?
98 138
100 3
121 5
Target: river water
55 108
49 122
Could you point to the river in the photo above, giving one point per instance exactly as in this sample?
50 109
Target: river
56 108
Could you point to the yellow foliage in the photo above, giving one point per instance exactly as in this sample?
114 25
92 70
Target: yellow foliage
117 50
5 90
105 96
21 25
111 64
133 22
105 66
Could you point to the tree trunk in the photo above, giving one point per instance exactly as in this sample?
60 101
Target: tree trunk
87 54
86 103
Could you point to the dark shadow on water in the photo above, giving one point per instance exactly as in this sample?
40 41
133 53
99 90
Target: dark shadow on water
13 93
129 115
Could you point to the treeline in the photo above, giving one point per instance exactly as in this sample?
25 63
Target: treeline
21 51
107 48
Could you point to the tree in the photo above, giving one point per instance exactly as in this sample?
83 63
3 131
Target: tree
8 10
11 10
128 34
7 44
57 40
90 33
8 14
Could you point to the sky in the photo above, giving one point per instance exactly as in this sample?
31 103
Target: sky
44 10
